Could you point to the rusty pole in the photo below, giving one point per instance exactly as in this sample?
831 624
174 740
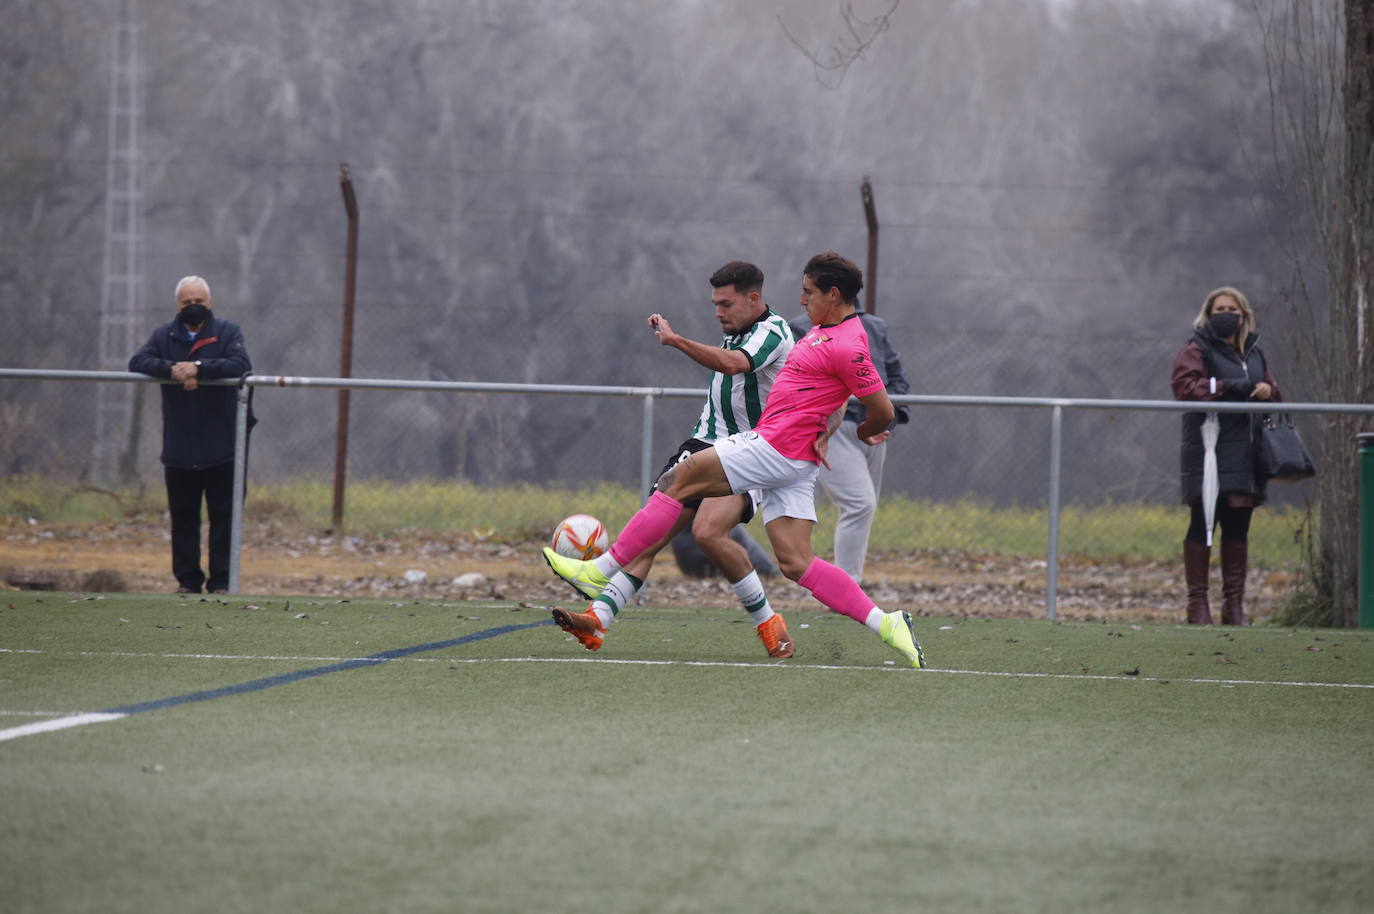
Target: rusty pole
345 348
871 275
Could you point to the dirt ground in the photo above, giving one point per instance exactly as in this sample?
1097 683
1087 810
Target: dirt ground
135 557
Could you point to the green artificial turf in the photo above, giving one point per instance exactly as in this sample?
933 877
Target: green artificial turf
1039 766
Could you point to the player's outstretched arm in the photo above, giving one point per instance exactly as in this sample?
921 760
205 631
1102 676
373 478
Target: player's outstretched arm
726 361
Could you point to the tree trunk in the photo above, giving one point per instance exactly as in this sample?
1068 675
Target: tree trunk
1352 293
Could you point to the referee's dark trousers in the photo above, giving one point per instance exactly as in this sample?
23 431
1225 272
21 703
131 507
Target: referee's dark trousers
185 490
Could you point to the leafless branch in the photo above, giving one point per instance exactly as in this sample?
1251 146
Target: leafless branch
832 62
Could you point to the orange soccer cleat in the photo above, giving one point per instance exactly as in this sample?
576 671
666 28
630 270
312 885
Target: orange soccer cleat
583 626
773 634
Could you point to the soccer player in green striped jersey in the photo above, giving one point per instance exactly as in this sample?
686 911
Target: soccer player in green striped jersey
743 367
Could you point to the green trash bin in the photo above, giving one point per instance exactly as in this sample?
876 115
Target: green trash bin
1366 579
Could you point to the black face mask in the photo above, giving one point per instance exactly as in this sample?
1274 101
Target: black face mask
194 315
1225 324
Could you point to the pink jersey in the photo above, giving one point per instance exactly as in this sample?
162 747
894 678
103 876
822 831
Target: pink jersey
822 370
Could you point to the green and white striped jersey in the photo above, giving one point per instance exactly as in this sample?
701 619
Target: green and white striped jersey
735 402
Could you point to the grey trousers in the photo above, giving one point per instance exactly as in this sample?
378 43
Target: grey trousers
852 484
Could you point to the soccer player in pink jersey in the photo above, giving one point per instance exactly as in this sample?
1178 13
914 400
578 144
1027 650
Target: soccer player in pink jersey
780 457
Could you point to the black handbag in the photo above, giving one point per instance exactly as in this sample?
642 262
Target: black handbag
1281 454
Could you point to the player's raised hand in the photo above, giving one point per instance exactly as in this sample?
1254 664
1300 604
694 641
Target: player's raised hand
662 329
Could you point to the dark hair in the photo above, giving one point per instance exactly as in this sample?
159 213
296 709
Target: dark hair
744 276
830 270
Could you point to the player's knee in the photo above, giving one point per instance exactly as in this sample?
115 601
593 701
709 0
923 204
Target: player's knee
793 567
721 549
712 542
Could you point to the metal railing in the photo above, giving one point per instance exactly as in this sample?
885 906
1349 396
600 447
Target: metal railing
1055 405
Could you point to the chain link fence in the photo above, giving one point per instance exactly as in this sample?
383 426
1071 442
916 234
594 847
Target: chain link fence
449 481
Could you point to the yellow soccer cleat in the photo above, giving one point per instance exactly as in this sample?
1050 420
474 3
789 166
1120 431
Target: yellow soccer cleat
898 632
582 575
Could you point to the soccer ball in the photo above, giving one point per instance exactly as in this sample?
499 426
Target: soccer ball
580 536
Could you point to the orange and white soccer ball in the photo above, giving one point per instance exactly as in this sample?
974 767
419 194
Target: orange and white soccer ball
580 536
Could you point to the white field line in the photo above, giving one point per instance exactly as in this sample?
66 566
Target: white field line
60 723
169 656
888 667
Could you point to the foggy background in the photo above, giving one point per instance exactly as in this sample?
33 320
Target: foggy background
1058 186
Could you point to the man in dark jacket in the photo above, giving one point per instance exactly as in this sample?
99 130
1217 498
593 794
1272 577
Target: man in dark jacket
854 479
197 428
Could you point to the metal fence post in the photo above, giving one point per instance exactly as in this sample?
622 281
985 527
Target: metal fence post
240 483
1366 564
646 448
336 518
1052 552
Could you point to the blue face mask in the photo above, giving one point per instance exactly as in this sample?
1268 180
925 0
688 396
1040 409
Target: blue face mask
1225 324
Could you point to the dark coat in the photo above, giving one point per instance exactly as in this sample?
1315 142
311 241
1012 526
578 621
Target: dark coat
197 425
1202 359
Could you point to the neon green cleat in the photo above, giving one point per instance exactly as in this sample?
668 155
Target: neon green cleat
583 576
898 632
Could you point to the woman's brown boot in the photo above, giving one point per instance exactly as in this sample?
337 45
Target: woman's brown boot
1234 564
1196 558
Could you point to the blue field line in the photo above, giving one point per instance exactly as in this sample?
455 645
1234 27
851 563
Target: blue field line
268 682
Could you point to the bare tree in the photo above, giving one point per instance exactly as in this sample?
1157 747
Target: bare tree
1320 67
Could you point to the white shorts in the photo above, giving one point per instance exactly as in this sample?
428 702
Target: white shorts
788 485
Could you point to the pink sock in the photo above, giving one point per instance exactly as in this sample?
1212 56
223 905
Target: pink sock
837 590
649 525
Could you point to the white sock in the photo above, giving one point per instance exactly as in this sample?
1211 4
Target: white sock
613 599
875 619
605 564
750 592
